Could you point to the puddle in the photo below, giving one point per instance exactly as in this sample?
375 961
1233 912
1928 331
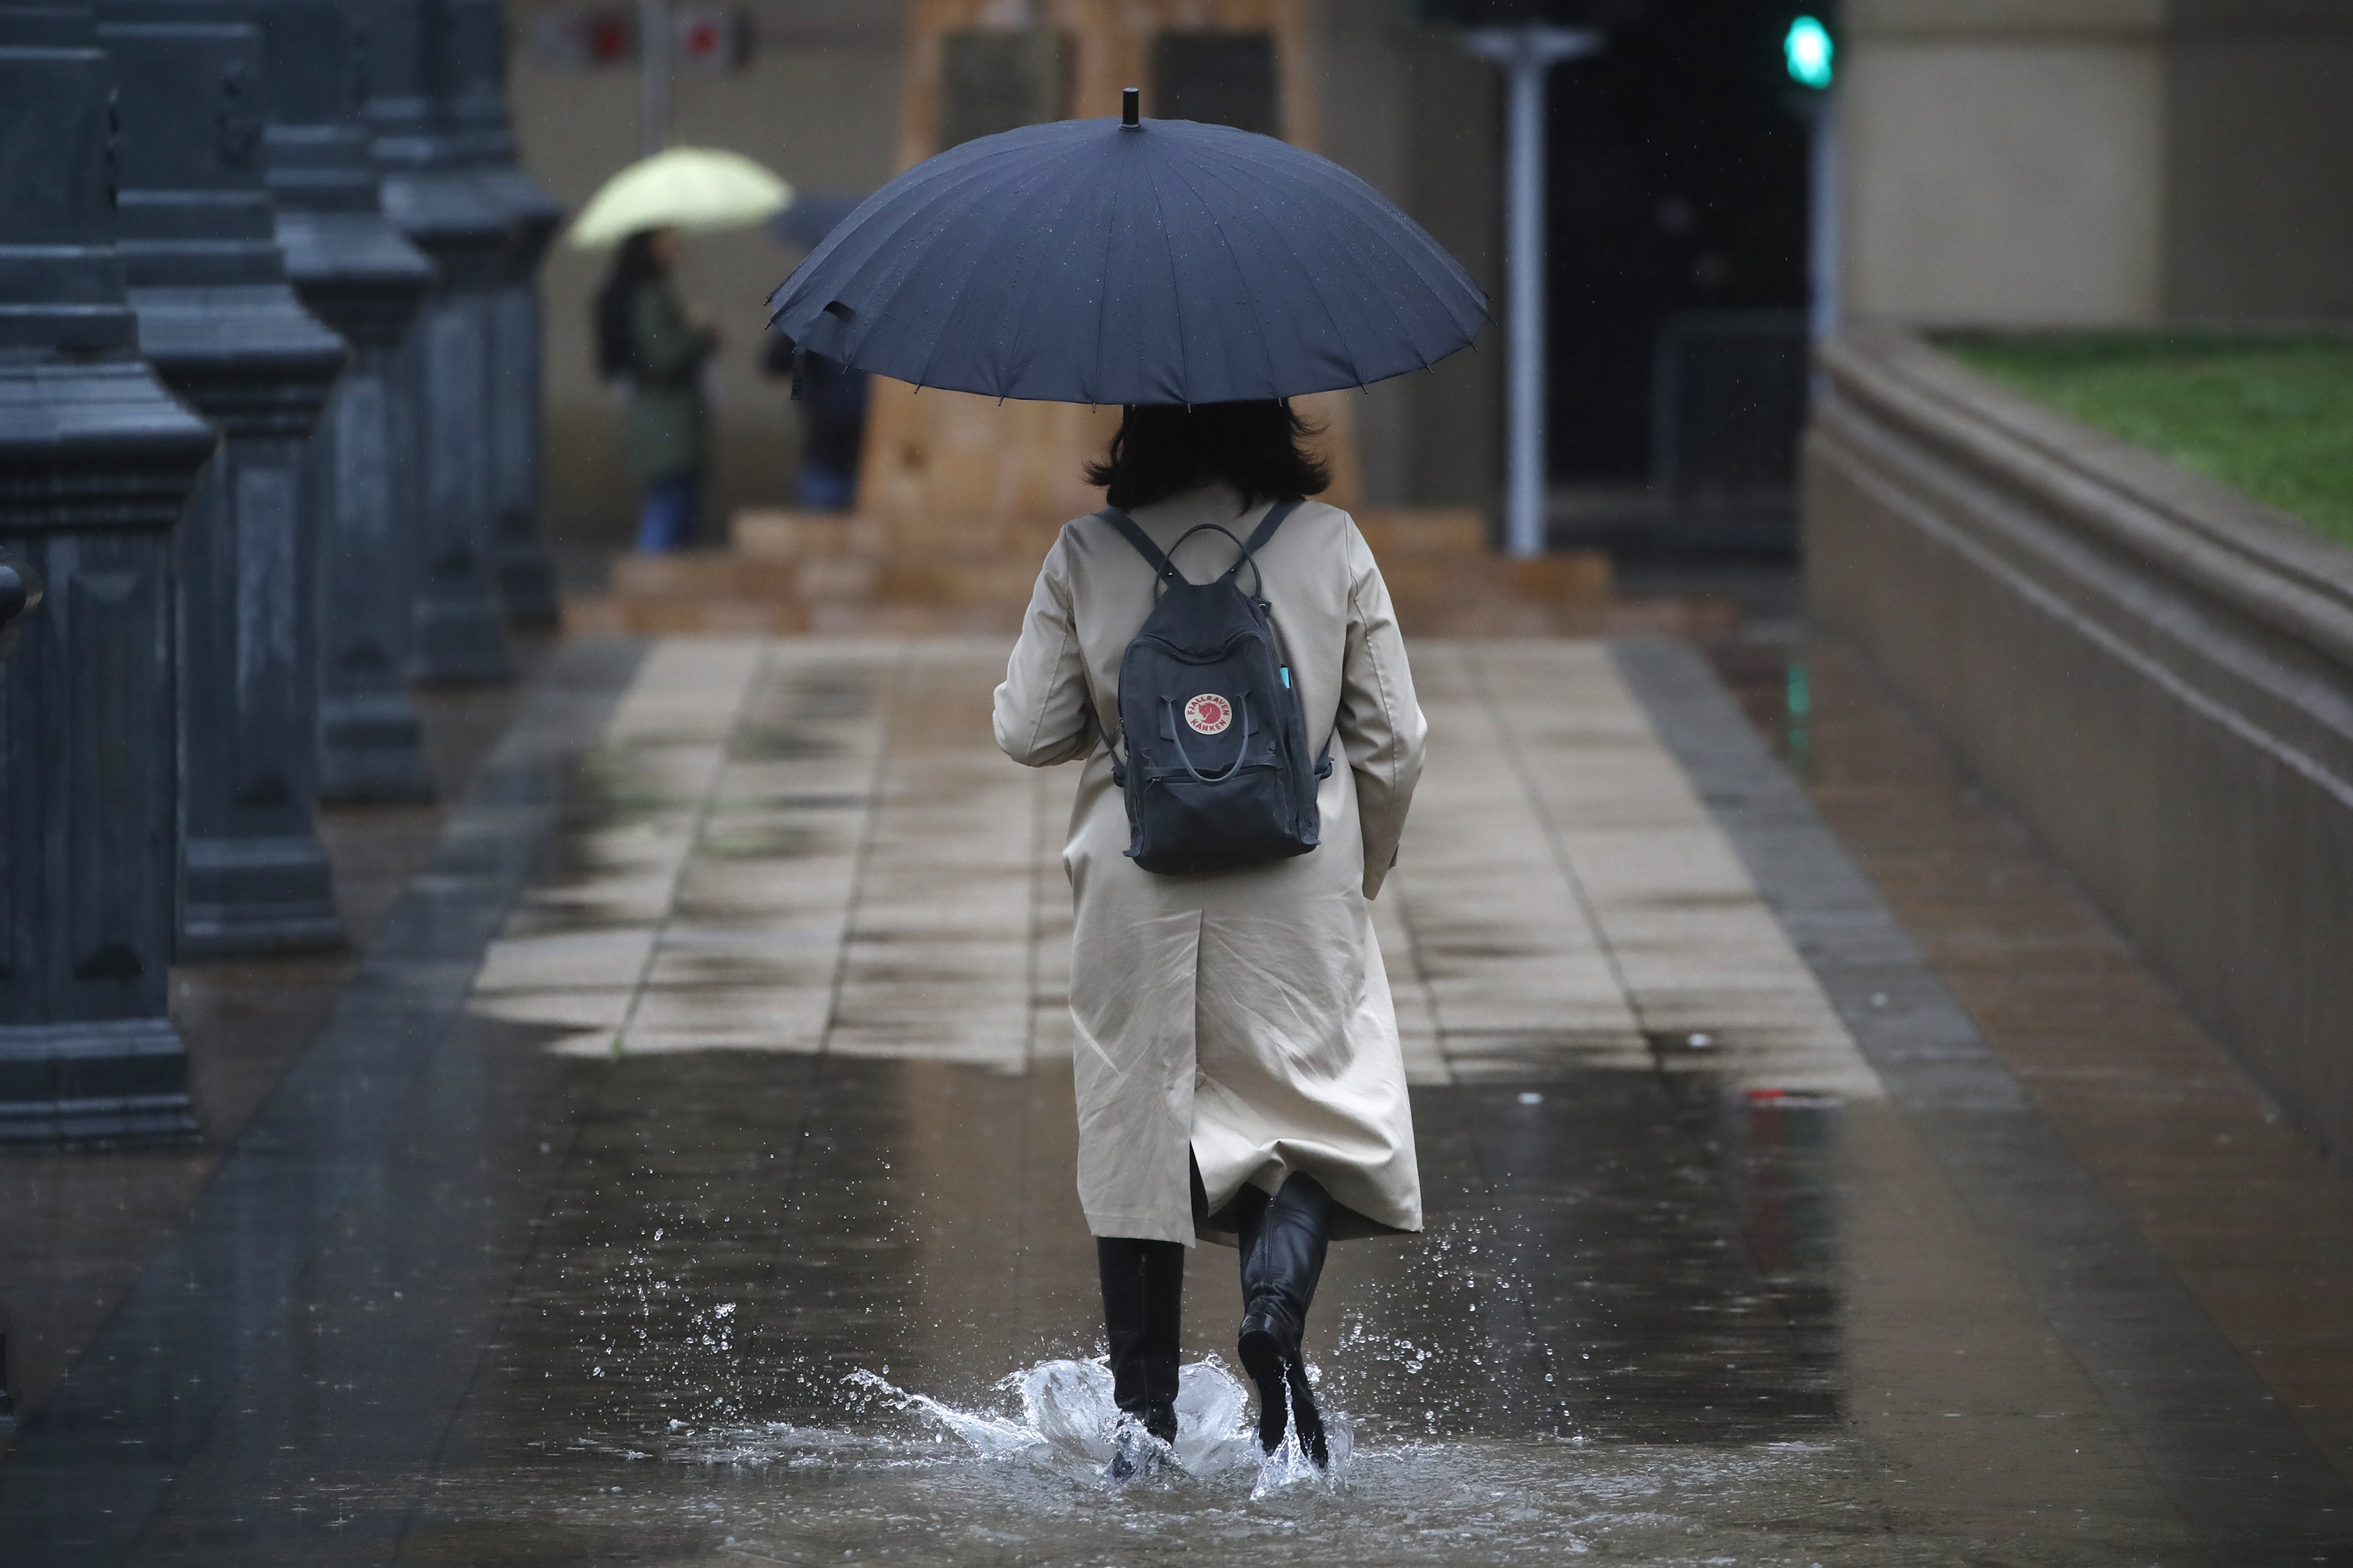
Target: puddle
1022 1477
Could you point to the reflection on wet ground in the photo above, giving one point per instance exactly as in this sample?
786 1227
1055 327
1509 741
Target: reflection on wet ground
733 1220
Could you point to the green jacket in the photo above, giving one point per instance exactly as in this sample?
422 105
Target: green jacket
668 430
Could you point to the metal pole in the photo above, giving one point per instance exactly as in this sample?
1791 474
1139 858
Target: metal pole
1524 316
1823 221
1528 54
653 70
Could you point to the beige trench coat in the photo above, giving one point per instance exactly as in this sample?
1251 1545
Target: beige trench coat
1245 1015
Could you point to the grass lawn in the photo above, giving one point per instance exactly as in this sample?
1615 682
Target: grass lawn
2272 417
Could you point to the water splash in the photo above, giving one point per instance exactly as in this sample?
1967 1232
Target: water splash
1062 1417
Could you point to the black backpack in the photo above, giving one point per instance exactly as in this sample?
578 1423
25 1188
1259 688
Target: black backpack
1216 774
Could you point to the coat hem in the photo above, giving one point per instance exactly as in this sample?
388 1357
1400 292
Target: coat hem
1140 1227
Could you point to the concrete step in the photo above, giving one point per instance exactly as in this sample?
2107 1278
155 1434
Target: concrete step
697 575
774 533
735 617
959 579
720 575
810 572
1677 617
1424 530
777 533
1486 579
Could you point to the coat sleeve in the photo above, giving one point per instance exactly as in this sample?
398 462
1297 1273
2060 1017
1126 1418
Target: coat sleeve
1045 712
1381 727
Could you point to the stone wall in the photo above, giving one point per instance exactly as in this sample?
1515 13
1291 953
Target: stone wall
2153 672
2092 162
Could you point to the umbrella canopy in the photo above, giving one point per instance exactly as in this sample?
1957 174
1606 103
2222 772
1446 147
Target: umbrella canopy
812 216
1083 261
701 188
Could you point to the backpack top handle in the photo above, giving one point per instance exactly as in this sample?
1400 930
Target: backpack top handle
1165 569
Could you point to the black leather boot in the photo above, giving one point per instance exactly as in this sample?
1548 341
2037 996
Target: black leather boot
1282 1244
1144 1294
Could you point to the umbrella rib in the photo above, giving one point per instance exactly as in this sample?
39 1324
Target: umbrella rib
1072 192
1330 174
1329 183
955 302
908 205
1177 296
1314 286
1103 312
934 206
949 308
1225 243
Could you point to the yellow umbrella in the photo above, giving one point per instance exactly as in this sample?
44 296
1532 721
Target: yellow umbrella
702 188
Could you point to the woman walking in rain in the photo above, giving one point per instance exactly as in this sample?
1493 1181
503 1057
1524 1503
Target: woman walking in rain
1221 653
658 342
1239 1073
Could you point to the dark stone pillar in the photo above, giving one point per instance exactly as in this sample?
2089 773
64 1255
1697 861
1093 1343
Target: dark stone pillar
222 328
96 460
434 196
478 104
356 273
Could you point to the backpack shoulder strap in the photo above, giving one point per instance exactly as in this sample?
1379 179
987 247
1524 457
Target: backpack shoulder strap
1161 565
1268 525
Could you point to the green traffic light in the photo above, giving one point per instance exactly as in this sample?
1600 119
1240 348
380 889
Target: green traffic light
1808 50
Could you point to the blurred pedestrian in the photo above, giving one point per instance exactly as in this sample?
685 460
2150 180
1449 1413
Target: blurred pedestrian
657 343
1239 1072
832 401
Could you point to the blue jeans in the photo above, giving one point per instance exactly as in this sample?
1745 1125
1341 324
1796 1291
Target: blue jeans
666 516
823 489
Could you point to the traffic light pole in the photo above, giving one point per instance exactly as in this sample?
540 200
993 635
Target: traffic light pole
1527 53
1823 218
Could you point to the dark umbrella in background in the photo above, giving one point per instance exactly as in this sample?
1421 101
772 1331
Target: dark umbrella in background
812 216
1110 261
831 397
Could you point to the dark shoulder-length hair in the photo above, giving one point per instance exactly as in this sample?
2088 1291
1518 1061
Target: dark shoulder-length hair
1164 449
634 263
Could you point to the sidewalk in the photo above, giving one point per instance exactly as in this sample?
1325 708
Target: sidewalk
721 1056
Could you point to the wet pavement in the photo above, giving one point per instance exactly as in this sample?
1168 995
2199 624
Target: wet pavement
77 1226
684 1175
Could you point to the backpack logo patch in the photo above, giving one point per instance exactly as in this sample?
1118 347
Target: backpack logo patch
1209 713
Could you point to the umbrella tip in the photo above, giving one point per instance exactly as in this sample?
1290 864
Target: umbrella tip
1131 108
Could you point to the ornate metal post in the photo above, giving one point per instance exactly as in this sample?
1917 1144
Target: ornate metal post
96 460
478 67
433 196
222 328
356 273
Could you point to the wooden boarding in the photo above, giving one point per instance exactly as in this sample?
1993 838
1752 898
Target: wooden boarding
936 462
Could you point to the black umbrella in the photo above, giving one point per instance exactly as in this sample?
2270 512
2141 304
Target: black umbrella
1092 262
